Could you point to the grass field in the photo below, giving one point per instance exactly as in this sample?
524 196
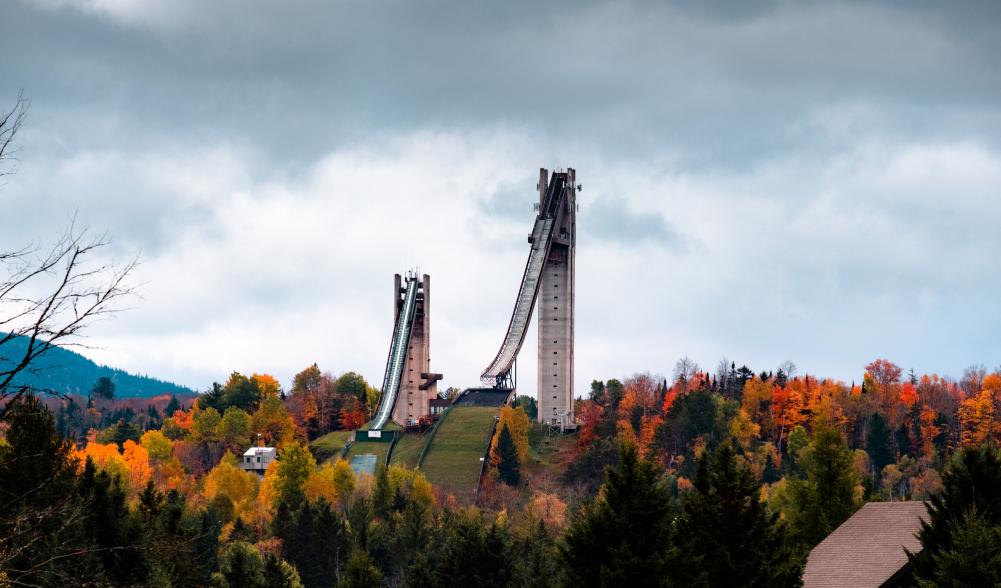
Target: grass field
408 449
329 446
453 459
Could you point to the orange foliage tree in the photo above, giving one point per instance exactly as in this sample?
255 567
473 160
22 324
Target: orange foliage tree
929 431
639 411
788 407
131 467
267 385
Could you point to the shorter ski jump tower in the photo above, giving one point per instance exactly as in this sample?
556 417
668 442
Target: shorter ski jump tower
408 385
548 280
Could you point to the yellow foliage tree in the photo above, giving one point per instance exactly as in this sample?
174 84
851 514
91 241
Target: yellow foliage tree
260 513
756 393
229 480
743 429
295 464
412 484
518 424
344 479
549 509
321 484
157 445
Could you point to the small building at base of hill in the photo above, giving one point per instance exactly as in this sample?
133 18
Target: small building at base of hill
257 459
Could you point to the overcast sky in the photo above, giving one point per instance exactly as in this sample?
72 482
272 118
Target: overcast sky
815 182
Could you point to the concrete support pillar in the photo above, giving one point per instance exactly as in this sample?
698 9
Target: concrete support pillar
556 317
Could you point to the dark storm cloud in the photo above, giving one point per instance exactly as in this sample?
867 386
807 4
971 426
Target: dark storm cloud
717 85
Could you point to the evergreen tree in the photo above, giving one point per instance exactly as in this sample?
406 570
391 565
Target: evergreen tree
314 541
279 574
588 469
360 516
241 566
614 392
103 388
508 466
172 406
114 529
971 484
826 498
773 472
725 536
241 392
360 572
470 554
214 398
877 444
529 405
695 414
537 558
399 547
419 573
181 551
382 496
973 559
797 441
42 534
904 439
623 537
598 395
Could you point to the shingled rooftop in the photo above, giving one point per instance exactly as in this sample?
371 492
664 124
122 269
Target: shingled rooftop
868 548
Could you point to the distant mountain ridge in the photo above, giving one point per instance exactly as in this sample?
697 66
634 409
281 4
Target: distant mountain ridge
67 372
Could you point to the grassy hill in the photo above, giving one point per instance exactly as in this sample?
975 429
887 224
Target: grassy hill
67 372
453 458
408 450
329 446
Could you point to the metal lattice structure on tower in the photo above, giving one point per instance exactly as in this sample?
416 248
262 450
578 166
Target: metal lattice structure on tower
549 281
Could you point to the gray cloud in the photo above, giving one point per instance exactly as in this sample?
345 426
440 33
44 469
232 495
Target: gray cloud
715 88
611 219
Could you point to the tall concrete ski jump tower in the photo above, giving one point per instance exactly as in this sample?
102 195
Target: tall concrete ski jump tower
556 298
409 385
548 280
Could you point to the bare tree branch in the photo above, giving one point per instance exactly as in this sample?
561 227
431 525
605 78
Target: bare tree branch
10 124
48 299
47 296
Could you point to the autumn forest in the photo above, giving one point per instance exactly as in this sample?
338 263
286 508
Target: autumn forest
153 495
